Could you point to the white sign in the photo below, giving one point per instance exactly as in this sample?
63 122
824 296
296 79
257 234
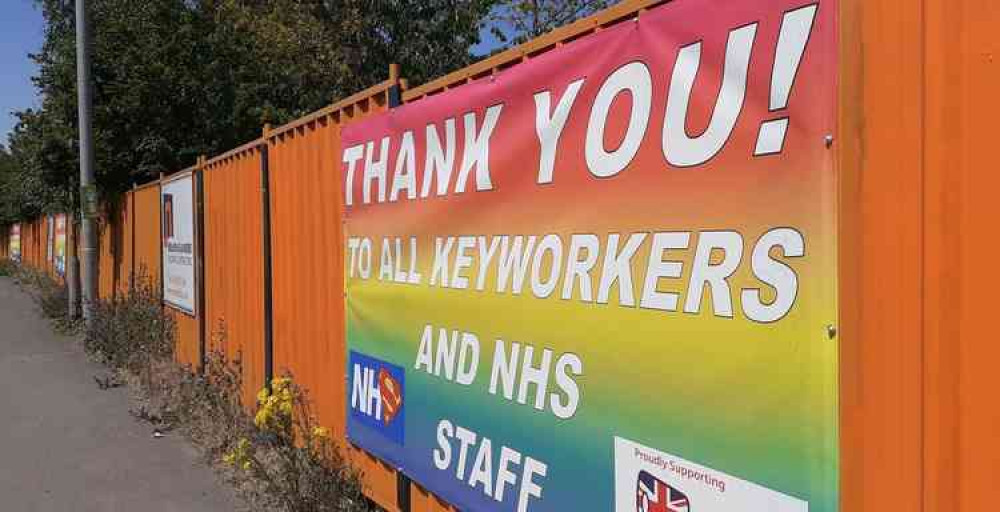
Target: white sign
51 238
647 479
179 251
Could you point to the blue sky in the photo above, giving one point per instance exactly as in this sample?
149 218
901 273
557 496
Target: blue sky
21 28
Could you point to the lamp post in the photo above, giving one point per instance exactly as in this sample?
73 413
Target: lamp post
88 189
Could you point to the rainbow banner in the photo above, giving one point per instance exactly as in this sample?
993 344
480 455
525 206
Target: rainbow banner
15 243
60 244
605 278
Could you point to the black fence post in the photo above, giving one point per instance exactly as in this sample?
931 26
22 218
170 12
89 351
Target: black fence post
199 175
395 99
265 225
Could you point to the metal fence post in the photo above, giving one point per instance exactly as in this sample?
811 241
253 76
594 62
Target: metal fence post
394 98
265 237
199 178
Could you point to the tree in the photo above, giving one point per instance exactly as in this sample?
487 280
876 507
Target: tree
428 38
516 21
176 79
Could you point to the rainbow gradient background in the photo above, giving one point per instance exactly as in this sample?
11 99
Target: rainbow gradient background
756 401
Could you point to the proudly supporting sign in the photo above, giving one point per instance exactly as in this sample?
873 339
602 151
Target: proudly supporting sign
179 251
603 279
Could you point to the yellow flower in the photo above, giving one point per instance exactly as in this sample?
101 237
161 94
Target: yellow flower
262 396
321 432
262 417
239 455
280 384
246 465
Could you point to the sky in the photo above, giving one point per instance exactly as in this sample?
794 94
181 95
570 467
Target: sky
21 33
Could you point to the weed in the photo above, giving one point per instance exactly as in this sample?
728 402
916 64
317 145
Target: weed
277 457
50 294
131 332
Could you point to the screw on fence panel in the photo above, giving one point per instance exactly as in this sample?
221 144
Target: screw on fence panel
265 208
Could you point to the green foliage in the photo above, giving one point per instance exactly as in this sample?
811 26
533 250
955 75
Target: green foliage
176 79
428 38
50 294
7 268
279 459
516 21
131 332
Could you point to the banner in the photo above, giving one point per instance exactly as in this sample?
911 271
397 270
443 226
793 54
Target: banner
60 244
605 278
15 243
177 206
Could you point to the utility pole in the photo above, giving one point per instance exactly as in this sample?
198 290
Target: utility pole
88 189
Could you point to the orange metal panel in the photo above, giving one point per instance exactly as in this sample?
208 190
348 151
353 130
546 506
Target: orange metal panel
43 235
38 243
113 245
962 75
379 478
308 272
917 126
234 275
147 232
123 245
307 265
421 500
881 261
187 349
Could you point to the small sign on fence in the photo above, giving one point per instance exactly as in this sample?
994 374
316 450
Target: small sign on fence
179 251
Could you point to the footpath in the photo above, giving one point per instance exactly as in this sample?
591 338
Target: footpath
66 445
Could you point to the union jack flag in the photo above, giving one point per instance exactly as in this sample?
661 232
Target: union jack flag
653 495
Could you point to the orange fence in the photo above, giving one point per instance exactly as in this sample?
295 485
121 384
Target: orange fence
918 415
234 284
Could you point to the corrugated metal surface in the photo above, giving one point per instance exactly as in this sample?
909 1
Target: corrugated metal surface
187 338
234 275
106 258
918 209
307 255
115 248
146 238
962 417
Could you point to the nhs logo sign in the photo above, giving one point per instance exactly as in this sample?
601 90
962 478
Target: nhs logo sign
377 390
